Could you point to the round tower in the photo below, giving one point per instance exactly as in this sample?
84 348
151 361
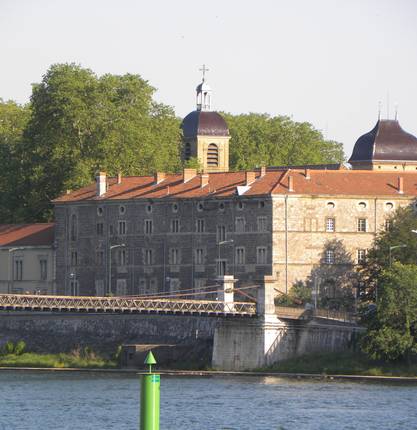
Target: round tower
205 135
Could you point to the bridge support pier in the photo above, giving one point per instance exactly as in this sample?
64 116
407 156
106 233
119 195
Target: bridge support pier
225 294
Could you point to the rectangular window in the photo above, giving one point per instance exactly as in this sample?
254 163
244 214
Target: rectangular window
261 255
44 269
18 269
361 256
329 256
240 255
362 224
200 225
221 267
148 257
99 258
122 227
100 229
221 233
388 225
142 287
148 226
262 223
330 225
111 230
99 284
174 256
122 257
175 226
199 256
74 258
240 224
121 287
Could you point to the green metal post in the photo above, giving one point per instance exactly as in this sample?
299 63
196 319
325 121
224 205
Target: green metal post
149 399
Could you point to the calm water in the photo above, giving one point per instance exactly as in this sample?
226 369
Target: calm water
81 401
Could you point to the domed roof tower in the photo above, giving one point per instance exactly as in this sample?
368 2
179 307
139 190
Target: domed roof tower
386 147
205 133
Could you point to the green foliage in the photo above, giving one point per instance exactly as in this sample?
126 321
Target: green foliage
20 347
117 354
342 363
81 123
259 139
54 361
378 258
392 329
300 294
8 347
194 163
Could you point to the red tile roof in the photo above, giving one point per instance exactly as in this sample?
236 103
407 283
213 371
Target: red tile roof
27 234
326 182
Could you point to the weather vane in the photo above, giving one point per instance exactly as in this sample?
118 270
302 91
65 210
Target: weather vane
204 69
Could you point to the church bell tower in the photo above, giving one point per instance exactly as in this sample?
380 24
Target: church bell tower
205 135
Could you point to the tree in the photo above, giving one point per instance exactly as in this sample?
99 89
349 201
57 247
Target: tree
13 120
392 328
82 123
401 223
259 139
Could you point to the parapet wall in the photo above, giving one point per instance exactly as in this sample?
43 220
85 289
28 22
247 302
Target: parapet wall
58 332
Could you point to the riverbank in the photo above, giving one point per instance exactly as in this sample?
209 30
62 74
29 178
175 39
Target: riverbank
343 363
82 360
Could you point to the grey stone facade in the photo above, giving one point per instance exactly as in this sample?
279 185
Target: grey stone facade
170 244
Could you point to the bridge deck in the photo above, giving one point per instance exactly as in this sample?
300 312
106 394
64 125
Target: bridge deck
125 305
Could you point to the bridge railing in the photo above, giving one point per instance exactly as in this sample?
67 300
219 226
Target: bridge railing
301 313
123 304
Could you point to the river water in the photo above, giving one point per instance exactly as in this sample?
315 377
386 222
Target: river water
58 401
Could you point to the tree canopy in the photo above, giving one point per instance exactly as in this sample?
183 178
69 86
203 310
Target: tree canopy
78 123
259 139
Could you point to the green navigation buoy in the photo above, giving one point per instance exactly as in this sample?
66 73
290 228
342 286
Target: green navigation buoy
150 360
150 395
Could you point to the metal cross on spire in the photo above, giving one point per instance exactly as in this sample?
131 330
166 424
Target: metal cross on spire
204 69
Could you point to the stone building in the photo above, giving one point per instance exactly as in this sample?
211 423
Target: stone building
171 232
27 258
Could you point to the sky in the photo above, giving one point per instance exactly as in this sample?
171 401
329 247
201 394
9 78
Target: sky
327 62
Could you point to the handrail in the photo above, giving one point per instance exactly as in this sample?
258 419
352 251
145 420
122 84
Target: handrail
124 304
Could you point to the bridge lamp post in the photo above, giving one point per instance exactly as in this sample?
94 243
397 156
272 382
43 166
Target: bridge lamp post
395 247
110 250
11 275
223 242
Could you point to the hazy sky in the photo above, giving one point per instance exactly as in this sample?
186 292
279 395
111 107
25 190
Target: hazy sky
328 62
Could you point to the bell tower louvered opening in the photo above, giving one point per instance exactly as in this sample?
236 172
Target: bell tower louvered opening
212 155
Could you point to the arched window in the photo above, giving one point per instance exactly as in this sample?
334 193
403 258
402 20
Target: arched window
187 151
73 227
212 155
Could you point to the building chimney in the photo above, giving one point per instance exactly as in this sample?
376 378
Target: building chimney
189 174
204 180
400 185
307 174
263 171
249 178
290 183
159 177
119 178
101 183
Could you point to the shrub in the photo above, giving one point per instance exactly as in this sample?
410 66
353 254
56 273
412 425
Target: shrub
20 347
9 347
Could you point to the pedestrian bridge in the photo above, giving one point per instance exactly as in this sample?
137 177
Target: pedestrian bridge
40 303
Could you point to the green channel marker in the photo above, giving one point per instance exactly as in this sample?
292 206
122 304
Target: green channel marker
149 399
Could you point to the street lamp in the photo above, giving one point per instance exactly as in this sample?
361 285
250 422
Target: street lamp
223 242
73 284
110 250
395 247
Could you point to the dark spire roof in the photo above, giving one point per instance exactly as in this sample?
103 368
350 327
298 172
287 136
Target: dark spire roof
387 141
204 123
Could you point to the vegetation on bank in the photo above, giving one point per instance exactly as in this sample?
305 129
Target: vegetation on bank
14 355
343 363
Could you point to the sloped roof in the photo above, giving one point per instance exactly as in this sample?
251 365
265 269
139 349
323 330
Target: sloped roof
204 123
387 141
27 234
317 182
